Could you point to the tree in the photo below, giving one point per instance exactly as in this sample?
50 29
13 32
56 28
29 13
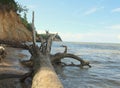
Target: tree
43 63
43 70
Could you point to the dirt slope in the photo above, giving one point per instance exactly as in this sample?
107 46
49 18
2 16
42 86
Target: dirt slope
11 27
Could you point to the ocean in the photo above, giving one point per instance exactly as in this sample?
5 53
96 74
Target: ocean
104 59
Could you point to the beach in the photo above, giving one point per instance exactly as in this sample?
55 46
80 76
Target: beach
104 59
11 69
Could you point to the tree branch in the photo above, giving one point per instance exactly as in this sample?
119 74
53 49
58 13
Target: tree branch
49 43
33 28
59 56
65 48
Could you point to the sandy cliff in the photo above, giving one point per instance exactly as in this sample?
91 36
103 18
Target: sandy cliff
11 27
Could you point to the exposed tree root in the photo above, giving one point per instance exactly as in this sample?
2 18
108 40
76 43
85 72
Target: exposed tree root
58 56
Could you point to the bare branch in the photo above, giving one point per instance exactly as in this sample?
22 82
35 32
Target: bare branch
65 48
43 45
49 43
59 56
33 28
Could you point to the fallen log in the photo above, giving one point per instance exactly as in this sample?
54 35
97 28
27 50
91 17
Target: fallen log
44 75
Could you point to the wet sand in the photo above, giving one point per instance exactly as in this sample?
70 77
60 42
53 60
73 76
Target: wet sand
11 69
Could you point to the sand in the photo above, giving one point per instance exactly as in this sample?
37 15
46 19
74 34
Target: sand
11 69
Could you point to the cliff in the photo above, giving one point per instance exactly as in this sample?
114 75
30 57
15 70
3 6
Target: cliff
11 27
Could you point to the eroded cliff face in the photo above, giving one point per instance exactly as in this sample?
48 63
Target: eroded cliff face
11 27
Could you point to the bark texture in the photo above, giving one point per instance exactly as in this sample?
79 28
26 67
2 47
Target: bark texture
44 75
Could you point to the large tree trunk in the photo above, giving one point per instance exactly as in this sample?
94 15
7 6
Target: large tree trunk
45 76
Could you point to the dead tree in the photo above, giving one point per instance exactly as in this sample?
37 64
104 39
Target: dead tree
44 75
56 59
43 63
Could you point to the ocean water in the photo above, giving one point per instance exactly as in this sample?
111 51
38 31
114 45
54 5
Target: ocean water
104 59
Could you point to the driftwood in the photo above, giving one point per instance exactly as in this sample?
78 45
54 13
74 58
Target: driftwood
2 53
57 59
43 63
15 44
44 75
58 56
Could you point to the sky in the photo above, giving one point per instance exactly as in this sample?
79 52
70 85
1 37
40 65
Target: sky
77 20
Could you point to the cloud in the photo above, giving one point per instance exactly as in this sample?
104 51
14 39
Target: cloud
118 36
44 31
117 26
71 36
78 36
93 10
40 31
116 10
88 37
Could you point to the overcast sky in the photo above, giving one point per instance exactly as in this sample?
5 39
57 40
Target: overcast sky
77 20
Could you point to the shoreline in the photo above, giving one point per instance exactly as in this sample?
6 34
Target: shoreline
11 70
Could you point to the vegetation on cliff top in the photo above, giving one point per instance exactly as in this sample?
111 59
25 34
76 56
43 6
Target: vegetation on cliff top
15 6
12 25
12 5
8 5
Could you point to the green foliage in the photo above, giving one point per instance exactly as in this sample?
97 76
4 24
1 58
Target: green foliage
25 22
12 5
21 8
43 36
8 4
